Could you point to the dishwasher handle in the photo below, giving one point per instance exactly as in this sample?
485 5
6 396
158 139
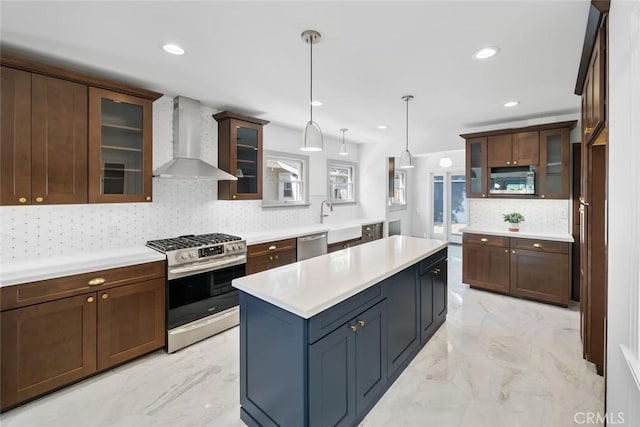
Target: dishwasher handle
312 238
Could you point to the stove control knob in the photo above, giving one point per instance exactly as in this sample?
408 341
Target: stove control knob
183 256
192 255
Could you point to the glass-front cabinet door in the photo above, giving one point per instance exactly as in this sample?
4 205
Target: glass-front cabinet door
553 171
476 172
119 147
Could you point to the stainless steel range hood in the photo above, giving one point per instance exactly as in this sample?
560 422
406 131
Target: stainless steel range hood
186 161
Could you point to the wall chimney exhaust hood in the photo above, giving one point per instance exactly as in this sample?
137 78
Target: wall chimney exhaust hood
186 163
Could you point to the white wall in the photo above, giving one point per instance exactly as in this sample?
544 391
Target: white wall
623 391
179 206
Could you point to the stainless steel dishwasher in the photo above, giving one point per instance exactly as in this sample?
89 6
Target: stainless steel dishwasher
312 245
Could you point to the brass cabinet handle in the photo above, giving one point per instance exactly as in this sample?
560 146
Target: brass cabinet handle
484 240
148 198
97 281
105 296
22 200
272 247
39 199
353 327
588 130
361 322
537 245
90 299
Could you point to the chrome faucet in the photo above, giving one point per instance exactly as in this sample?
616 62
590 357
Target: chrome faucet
322 214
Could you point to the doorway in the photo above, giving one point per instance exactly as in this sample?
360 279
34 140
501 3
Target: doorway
449 205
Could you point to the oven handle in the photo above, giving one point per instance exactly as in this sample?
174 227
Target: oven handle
209 265
205 323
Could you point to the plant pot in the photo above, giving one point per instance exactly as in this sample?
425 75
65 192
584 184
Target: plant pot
514 226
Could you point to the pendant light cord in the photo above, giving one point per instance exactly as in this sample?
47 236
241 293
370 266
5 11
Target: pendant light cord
311 79
407 127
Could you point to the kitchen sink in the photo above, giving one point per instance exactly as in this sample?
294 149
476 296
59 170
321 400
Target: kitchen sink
341 234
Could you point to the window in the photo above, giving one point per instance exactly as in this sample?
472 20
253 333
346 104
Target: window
398 199
286 179
342 185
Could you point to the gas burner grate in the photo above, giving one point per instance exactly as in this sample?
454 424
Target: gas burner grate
190 241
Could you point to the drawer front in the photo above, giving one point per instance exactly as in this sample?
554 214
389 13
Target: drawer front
62 287
327 321
432 260
256 264
344 245
540 245
265 248
484 239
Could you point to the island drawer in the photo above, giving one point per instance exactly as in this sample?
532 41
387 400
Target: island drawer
540 245
336 316
485 239
432 260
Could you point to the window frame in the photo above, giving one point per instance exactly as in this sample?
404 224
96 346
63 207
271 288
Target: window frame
395 205
280 155
354 182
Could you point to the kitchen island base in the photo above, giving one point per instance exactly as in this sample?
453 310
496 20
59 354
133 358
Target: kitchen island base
331 368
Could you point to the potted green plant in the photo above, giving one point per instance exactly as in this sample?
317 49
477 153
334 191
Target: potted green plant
514 219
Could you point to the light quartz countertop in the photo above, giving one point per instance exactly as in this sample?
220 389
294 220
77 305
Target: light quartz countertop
308 287
19 272
559 237
291 232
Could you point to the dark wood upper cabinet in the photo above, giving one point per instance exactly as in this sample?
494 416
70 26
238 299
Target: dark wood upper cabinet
553 171
240 154
594 91
15 137
120 146
476 162
58 141
519 149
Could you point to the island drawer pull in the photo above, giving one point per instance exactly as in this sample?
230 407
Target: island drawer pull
484 240
361 322
97 281
272 247
537 245
353 327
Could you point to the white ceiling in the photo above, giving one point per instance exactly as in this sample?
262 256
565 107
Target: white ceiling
248 57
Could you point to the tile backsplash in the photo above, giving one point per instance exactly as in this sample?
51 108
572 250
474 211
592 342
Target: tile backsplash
551 216
179 207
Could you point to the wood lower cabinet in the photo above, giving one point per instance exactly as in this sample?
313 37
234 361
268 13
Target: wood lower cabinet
265 256
485 262
371 232
55 332
344 245
530 268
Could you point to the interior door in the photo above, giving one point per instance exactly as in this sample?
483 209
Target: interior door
449 205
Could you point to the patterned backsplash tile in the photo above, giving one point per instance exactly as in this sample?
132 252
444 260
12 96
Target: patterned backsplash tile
552 216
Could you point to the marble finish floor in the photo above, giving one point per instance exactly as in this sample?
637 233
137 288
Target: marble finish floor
497 361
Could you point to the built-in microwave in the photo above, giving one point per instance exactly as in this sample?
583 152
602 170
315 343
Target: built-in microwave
512 182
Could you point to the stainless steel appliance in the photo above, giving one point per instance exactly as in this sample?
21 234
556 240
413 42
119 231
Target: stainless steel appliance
512 182
200 299
311 246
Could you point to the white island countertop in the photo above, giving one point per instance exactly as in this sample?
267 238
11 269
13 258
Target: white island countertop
309 287
543 235
15 273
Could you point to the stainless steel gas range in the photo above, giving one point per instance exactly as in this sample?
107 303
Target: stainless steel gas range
200 299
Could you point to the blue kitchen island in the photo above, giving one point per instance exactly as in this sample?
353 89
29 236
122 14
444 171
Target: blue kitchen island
321 340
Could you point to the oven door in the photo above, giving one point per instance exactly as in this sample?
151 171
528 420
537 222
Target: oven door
200 295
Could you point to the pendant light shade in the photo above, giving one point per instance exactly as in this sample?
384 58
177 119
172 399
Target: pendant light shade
445 162
312 139
343 148
406 159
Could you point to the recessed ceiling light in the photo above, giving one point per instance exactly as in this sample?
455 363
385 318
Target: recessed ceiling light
173 49
316 103
486 52
511 104
383 127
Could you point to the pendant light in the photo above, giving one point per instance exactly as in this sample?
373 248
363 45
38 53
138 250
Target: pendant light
406 159
343 148
445 162
312 136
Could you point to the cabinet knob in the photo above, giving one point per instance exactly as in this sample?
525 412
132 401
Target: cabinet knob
506 251
484 195
148 198
22 200
513 252
361 322
275 256
508 163
271 258
484 240
542 195
515 163
233 197
39 199
97 281
436 271
105 296
90 299
353 327
537 245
